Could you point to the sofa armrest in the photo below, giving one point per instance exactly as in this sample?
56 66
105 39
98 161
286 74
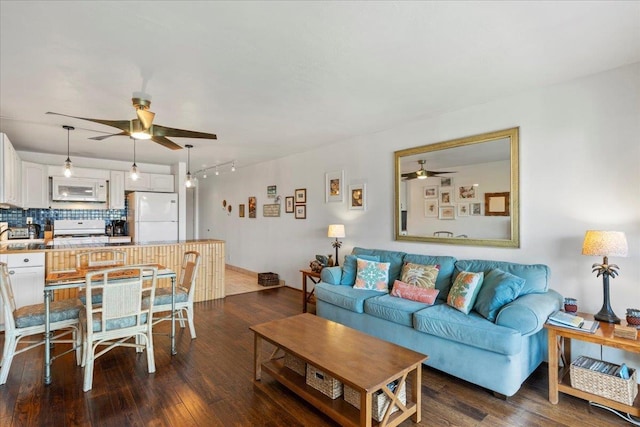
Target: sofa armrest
528 313
331 275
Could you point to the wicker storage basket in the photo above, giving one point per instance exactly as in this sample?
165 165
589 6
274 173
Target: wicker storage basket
379 401
295 364
605 385
268 279
322 382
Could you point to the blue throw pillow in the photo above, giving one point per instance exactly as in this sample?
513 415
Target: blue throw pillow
499 289
350 268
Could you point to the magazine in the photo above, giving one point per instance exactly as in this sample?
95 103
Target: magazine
577 323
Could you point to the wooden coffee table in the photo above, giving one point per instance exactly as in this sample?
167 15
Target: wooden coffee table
365 363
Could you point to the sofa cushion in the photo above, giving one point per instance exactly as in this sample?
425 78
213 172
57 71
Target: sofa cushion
448 323
423 276
536 275
445 273
464 291
414 293
394 258
350 268
344 296
372 275
499 288
393 309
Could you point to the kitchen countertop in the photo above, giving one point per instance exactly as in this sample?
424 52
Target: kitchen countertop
23 246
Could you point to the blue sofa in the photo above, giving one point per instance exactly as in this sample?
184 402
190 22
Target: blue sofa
496 355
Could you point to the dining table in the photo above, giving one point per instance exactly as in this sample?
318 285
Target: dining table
76 278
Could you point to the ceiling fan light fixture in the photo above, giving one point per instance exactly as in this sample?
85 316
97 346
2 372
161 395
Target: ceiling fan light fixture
68 167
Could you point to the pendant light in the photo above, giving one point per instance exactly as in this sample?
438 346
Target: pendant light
233 166
134 168
189 182
67 163
217 173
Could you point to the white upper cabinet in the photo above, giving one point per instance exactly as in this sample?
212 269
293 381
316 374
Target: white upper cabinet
161 183
116 190
10 171
35 185
58 170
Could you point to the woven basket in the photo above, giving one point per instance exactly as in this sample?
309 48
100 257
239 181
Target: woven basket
322 382
295 364
379 401
268 279
608 386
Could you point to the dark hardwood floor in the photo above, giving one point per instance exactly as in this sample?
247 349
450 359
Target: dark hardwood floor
209 383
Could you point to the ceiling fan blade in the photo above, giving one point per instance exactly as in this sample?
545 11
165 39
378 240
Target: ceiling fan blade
434 173
165 142
124 125
180 133
145 117
100 138
410 175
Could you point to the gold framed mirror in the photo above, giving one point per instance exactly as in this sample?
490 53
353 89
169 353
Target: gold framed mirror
463 191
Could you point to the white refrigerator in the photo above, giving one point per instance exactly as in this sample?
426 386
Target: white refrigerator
152 217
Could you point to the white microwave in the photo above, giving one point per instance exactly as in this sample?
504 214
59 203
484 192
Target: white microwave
78 190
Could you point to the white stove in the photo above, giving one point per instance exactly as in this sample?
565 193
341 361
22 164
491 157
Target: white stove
79 232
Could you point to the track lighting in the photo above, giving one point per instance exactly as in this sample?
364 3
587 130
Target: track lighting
67 163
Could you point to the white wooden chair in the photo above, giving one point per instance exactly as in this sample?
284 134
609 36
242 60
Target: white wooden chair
99 258
27 321
127 300
184 293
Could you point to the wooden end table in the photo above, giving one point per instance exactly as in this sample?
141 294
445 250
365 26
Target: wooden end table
559 347
315 278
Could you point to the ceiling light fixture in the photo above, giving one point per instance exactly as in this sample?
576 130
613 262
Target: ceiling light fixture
134 168
233 166
67 163
217 172
422 173
189 182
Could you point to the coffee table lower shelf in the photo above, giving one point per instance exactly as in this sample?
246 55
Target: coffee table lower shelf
338 409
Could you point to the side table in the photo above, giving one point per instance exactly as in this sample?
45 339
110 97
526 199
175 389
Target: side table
559 347
315 278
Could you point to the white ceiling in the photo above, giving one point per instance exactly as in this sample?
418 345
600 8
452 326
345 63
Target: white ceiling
276 78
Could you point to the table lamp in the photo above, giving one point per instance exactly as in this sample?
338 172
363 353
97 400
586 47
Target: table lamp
605 243
337 231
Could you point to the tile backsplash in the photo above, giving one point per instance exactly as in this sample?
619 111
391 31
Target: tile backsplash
18 217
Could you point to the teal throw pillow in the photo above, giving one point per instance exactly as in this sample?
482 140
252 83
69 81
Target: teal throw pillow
465 290
499 288
372 275
350 268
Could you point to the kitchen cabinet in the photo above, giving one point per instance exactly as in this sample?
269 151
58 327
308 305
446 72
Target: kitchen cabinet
58 170
26 273
116 190
161 183
35 185
10 171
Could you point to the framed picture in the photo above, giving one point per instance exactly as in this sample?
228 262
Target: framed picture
301 212
252 207
301 195
358 197
271 191
475 209
431 192
446 181
466 193
271 210
446 196
496 204
241 210
288 204
447 212
334 186
463 209
431 208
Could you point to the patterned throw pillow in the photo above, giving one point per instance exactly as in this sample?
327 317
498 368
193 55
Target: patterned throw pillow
350 268
423 276
464 291
372 275
414 293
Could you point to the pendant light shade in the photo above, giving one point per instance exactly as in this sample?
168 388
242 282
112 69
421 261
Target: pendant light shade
189 182
134 168
233 166
68 171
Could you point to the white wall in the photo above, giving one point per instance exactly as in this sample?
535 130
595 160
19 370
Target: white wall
579 170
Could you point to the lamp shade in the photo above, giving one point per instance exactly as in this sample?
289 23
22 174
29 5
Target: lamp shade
336 230
605 243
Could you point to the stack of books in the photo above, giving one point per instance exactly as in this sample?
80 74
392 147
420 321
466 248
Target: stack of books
571 321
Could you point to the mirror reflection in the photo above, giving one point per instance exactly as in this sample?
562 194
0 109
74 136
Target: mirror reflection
463 191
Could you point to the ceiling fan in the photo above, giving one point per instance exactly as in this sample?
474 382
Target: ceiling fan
142 127
422 173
